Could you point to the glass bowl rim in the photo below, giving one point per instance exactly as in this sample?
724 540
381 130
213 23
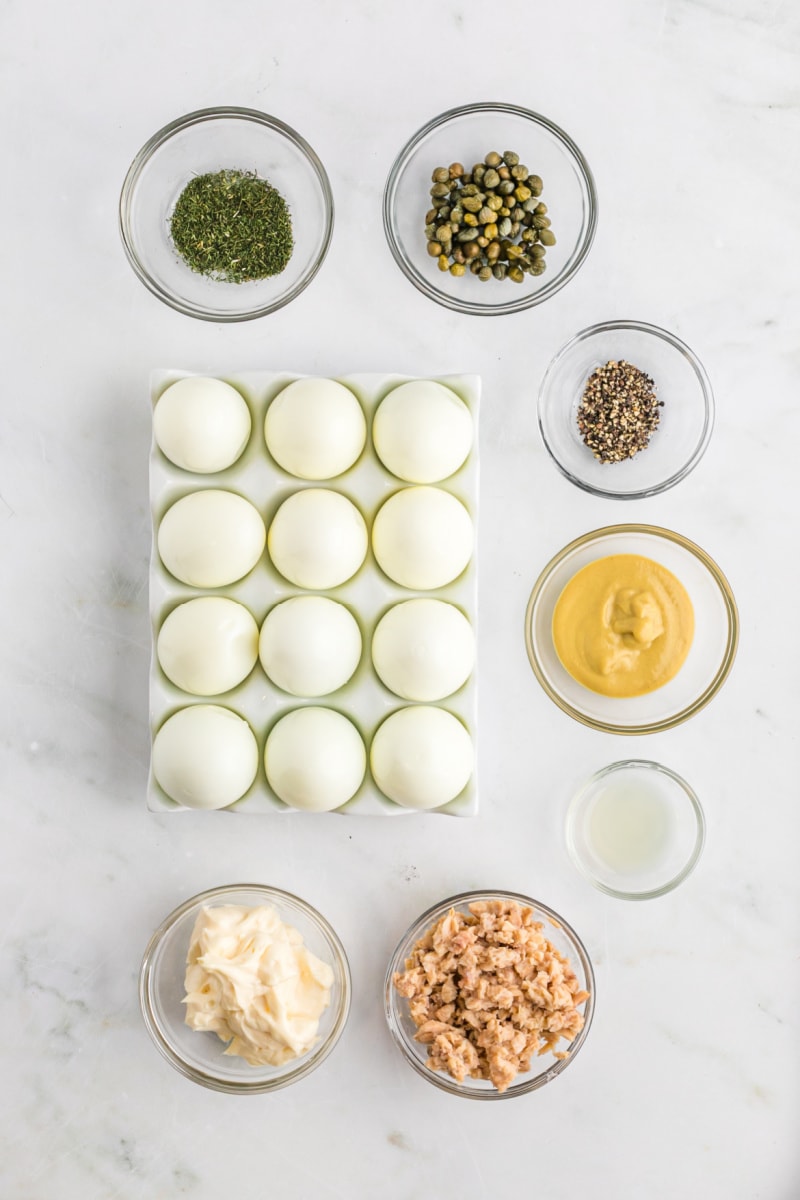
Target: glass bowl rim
691 861
392 1000
701 375
708 693
471 307
161 137
242 1087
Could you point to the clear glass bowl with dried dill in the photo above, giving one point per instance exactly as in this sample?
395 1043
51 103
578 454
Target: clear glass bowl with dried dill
626 410
226 214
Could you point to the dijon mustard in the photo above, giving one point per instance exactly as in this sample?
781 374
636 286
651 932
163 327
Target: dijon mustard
623 625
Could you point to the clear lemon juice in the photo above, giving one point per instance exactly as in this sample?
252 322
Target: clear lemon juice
631 826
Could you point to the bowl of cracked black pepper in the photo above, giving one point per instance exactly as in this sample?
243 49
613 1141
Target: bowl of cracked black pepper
226 214
626 410
489 209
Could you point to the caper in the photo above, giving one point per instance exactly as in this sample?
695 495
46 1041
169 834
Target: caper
522 192
482 241
478 172
434 249
529 205
472 204
469 190
470 219
517 214
456 213
491 179
443 262
493 251
444 233
475 266
490 230
466 235
484 274
534 182
547 237
440 189
499 270
430 230
504 172
506 187
494 203
457 268
513 251
458 255
485 215
516 273
515 228
541 208
493 159
456 170
528 235
440 175
471 250
430 216
504 211
538 266
538 251
510 158
504 228
540 222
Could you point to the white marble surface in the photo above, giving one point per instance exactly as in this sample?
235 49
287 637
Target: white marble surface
689 1083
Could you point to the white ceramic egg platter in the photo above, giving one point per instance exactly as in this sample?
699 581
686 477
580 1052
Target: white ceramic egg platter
368 595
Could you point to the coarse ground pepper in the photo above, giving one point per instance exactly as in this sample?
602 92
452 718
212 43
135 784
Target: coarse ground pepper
618 412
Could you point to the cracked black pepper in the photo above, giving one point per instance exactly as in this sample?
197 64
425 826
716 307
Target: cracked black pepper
618 412
232 226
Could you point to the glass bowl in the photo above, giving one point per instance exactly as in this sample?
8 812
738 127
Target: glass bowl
686 419
210 140
467 135
707 665
635 830
200 1056
546 1067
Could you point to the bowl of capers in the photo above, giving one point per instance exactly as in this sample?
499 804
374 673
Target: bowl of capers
489 209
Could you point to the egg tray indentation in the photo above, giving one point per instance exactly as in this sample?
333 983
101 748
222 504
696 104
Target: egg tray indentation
368 595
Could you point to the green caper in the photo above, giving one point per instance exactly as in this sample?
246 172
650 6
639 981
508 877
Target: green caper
494 203
440 189
504 172
547 237
528 235
458 255
493 159
504 228
541 208
475 266
499 270
529 205
538 266
456 170
430 230
506 187
493 251
434 249
522 192
456 213
479 172
510 158
515 228
482 241
466 235
457 268
540 222
430 216
470 219
517 214
472 204
440 175
469 190
513 251
471 250
516 273
534 182
444 233
485 215
485 274
443 262
491 179
538 251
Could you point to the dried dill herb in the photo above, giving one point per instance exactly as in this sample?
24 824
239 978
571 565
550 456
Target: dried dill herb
618 412
233 226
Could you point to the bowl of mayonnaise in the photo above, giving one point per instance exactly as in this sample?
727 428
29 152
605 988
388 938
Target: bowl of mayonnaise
245 988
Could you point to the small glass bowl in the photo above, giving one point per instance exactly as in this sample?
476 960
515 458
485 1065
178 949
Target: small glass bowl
547 1066
685 424
635 830
210 140
713 649
200 1056
467 134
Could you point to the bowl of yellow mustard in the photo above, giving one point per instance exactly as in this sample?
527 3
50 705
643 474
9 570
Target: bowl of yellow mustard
631 629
